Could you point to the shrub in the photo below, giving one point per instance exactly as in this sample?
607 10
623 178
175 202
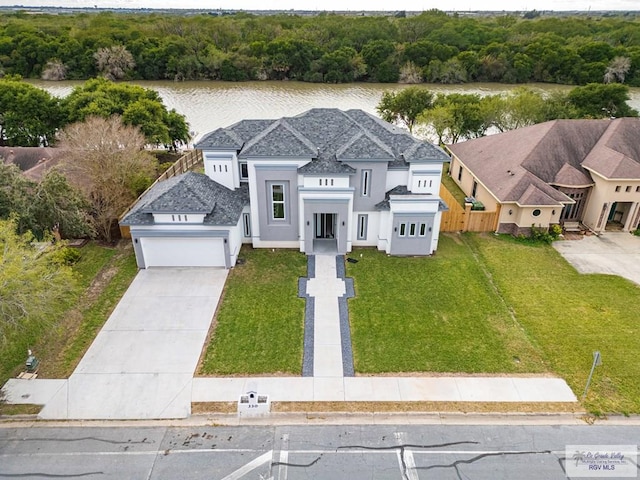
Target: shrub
541 234
66 255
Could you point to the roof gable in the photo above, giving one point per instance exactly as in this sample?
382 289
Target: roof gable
280 139
365 146
326 133
221 138
617 154
190 193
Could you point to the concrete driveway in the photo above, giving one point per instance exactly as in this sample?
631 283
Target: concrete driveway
612 253
142 362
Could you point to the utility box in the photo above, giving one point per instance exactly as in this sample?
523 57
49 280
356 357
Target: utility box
252 404
32 364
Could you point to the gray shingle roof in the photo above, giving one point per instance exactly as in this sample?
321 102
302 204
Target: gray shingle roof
279 139
190 193
326 166
328 134
221 138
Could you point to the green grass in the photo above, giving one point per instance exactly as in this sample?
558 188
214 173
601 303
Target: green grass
260 321
93 258
437 314
124 269
45 341
569 316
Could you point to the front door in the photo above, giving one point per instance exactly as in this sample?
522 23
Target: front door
325 225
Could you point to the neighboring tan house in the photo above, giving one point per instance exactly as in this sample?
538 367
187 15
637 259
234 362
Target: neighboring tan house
585 171
323 181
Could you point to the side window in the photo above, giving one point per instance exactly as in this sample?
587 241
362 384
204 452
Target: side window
362 227
365 187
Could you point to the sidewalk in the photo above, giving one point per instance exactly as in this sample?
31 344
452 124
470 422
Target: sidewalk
386 389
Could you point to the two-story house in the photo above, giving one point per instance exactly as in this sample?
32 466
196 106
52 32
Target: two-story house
325 180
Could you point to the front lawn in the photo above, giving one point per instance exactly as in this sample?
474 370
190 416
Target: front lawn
259 325
569 316
486 304
438 314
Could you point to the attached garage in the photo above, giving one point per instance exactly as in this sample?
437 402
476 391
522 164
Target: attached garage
183 252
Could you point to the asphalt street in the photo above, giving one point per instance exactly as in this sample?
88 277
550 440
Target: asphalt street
408 452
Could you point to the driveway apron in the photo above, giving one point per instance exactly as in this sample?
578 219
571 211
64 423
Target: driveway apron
612 253
141 364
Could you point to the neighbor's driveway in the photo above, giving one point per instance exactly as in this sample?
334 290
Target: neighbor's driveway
614 253
142 362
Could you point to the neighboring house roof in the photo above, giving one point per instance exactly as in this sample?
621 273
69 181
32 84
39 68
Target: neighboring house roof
34 162
325 135
523 165
190 193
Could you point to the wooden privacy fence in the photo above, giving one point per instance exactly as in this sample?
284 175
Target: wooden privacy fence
182 165
463 219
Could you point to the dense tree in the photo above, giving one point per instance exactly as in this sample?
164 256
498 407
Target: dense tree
107 162
40 206
597 100
138 106
114 62
617 70
405 106
29 116
455 117
35 288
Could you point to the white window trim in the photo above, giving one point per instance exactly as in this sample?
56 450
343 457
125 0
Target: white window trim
243 178
363 226
246 224
365 187
402 229
273 202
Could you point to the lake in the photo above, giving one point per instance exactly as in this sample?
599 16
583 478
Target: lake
210 105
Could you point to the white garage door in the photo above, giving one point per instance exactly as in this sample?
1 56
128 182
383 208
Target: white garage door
182 252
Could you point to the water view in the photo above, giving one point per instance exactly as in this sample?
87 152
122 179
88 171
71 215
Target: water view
210 105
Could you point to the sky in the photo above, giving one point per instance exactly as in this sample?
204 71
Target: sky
350 5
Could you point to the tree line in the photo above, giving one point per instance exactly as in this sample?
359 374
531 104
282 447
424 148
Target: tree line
431 47
452 117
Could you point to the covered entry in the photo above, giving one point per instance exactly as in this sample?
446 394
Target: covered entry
326 225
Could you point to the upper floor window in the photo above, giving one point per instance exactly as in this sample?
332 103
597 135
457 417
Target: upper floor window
366 183
277 201
244 171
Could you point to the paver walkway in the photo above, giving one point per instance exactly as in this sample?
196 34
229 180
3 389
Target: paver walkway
328 343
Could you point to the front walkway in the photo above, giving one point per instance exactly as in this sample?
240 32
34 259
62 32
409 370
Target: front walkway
612 253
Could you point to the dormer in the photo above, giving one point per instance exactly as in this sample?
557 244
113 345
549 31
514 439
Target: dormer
424 179
222 167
